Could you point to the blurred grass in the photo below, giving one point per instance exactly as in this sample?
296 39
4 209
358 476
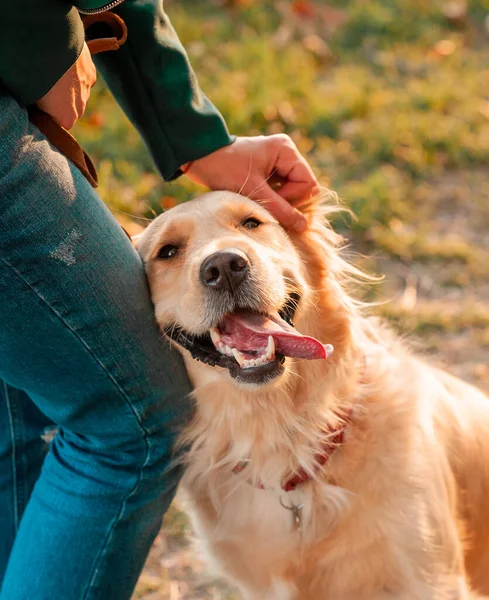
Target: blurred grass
382 96
389 100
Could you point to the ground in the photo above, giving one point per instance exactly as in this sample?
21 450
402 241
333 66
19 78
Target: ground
389 100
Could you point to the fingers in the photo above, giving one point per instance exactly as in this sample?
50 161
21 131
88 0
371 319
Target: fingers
288 216
253 167
298 192
292 167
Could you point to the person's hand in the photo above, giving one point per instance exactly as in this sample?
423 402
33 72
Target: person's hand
67 99
247 165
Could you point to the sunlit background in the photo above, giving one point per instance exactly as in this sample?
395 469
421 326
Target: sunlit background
389 100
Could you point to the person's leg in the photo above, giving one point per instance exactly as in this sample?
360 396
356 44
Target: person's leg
77 333
22 452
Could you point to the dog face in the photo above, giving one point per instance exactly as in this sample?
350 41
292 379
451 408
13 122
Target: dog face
226 282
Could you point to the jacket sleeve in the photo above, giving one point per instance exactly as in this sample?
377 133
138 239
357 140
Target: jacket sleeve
39 41
151 78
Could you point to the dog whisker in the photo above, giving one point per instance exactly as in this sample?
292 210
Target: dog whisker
248 175
258 187
137 217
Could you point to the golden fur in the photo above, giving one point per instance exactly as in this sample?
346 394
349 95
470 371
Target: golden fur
399 510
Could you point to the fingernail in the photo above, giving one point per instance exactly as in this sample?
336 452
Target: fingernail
300 224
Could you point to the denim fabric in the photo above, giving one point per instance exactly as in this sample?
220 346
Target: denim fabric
79 348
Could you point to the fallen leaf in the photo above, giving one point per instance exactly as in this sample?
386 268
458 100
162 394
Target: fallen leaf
96 119
303 8
445 47
168 202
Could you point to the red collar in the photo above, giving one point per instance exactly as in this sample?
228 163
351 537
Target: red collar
321 458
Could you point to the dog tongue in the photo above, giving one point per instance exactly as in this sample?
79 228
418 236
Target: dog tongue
245 330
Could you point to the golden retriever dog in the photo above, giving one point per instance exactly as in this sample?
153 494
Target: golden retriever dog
324 460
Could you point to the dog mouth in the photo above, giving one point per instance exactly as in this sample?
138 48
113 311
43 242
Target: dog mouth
251 345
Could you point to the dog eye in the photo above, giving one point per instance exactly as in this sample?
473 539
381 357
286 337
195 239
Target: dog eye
251 223
168 251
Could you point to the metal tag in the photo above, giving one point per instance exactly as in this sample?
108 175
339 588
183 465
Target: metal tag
296 510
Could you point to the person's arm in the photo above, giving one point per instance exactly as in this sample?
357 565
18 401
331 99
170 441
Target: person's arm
39 41
151 78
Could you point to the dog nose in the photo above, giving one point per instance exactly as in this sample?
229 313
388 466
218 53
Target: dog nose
224 270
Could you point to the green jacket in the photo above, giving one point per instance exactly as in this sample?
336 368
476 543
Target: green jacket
150 76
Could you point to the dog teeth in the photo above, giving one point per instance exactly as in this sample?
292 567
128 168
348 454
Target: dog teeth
243 362
270 351
262 360
265 358
240 359
221 346
224 349
215 336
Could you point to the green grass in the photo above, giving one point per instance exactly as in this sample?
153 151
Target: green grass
438 316
380 116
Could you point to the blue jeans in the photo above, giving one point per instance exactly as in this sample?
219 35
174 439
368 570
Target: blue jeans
79 348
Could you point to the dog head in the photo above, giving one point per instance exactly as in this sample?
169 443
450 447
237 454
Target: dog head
233 290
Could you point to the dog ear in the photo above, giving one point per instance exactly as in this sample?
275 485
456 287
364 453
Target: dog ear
133 231
319 211
320 205
136 238
309 207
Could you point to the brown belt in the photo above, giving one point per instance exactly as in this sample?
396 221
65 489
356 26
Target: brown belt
58 136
